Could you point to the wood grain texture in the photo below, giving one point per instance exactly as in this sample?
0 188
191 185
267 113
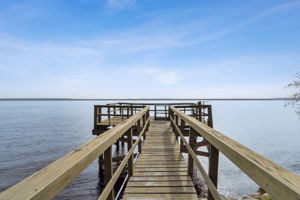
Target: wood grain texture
160 171
277 181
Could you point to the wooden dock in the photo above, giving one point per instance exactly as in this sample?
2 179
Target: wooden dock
160 172
159 134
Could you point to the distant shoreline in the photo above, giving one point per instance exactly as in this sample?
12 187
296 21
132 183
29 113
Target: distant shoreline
146 99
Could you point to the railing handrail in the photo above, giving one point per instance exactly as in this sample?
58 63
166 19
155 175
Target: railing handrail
49 181
277 181
205 176
118 172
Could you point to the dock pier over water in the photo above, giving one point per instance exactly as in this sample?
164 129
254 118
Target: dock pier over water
157 135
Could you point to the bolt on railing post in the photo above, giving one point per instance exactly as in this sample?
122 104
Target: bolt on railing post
213 157
108 170
192 142
129 145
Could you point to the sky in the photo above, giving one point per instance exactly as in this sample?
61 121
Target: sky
148 48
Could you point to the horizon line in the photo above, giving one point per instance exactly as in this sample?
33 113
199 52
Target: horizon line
135 99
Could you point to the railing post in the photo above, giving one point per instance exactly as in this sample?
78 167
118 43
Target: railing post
154 111
95 117
108 170
166 114
192 142
138 133
213 158
182 125
129 145
148 116
144 124
176 124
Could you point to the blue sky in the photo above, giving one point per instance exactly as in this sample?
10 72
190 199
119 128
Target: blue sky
148 48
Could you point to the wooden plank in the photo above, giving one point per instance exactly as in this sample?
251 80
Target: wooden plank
161 184
160 196
160 190
167 165
160 169
161 178
135 173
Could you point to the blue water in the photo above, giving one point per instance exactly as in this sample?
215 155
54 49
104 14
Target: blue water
35 133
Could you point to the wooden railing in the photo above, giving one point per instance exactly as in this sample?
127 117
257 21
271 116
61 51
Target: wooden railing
49 181
280 183
160 111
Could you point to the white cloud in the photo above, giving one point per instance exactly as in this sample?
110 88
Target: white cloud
167 77
120 4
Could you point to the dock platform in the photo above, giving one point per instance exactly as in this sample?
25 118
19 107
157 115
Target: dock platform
160 171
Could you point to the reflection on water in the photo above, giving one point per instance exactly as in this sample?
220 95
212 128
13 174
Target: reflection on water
33 134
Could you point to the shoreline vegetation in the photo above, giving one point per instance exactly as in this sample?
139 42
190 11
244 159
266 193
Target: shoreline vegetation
146 99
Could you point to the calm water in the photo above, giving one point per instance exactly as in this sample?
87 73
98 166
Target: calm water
35 133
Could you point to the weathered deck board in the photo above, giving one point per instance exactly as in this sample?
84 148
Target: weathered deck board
113 121
160 171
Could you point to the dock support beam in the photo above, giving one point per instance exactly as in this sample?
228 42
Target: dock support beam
182 125
213 158
108 170
192 142
129 145
138 133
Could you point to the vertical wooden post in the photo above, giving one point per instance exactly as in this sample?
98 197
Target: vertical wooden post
108 170
213 158
100 163
166 114
108 112
138 133
192 142
209 120
144 124
182 125
154 111
148 115
129 145
100 116
199 111
95 117
122 113
176 124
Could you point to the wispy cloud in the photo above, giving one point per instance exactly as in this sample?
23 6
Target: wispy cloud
167 77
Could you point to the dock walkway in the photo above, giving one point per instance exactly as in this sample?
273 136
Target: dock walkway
160 171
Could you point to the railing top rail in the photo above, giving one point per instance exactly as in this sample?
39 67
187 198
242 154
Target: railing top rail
156 104
277 181
49 181
122 106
